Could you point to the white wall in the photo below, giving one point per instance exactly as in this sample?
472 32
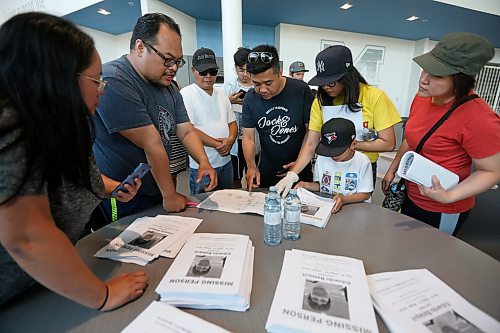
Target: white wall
304 43
185 22
109 46
398 74
9 8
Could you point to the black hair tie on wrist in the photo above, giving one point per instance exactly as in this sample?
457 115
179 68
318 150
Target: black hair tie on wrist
105 299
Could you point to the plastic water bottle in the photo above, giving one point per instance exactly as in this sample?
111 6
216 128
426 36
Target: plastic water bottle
291 220
272 218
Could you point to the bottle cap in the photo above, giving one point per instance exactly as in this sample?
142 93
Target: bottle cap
273 189
293 191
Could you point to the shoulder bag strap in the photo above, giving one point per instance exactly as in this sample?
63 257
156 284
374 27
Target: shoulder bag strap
437 124
443 119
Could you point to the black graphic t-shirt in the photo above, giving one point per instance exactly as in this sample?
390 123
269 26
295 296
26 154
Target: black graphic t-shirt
129 102
280 122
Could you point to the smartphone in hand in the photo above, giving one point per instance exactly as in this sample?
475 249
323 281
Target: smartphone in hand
140 171
242 93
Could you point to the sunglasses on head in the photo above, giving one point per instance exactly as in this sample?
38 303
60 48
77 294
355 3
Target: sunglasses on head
265 57
212 72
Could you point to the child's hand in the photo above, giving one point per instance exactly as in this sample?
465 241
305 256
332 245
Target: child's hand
300 185
338 203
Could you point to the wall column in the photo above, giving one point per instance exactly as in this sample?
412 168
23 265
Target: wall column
231 34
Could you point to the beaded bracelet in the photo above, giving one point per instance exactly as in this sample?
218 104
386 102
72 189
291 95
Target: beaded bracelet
105 299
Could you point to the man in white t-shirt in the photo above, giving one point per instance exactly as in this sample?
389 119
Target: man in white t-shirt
339 169
210 112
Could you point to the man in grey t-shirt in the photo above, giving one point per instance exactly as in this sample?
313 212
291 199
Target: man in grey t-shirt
139 113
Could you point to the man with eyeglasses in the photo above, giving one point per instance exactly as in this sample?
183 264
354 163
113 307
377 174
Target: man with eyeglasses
236 90
210 112
278 109
140 112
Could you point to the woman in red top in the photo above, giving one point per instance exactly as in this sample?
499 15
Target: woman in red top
470 134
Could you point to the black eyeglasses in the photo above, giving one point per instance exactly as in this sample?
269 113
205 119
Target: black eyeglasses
212 72
168 62
265 57
331 85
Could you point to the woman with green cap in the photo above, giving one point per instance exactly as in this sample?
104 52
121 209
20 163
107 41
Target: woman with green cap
471 134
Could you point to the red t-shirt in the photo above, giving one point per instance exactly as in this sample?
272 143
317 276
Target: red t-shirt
472 131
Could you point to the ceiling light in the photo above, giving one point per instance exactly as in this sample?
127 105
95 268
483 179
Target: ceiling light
346 6
412 18
103 11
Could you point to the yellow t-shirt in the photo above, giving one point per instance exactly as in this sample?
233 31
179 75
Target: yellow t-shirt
378 112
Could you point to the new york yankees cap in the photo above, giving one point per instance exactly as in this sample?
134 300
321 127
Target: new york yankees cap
337 134
331 64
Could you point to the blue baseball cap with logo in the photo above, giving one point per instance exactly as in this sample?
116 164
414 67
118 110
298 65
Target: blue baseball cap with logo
331 65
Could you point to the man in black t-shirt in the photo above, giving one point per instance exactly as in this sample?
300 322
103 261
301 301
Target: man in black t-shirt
278 108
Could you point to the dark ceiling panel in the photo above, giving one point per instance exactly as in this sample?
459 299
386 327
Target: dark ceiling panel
383 18
124 15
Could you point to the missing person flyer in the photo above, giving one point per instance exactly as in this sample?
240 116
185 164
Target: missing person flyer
416 301
321 293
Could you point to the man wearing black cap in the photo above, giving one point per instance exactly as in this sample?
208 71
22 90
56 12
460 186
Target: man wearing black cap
278 109
339 169
210 113
140 112
297 70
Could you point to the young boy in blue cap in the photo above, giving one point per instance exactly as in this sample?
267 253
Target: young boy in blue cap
339 169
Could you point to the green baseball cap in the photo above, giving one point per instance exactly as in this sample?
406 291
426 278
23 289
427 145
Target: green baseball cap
298 66
457 52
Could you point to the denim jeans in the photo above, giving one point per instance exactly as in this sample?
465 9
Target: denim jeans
224 179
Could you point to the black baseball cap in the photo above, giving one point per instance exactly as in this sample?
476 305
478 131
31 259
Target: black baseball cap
331 64
337 134
204 59
457 52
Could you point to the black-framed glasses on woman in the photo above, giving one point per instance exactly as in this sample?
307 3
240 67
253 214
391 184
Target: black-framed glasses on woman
265 57
167 62
100 82
331 85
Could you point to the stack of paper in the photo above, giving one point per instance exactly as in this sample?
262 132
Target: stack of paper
235 201
420 170
149 237
212 271
415 301
316 210
161 317
321 293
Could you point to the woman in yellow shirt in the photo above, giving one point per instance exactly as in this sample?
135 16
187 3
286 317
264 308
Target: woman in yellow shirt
344 93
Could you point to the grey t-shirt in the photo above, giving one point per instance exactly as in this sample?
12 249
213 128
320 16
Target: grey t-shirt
70 206
130 102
